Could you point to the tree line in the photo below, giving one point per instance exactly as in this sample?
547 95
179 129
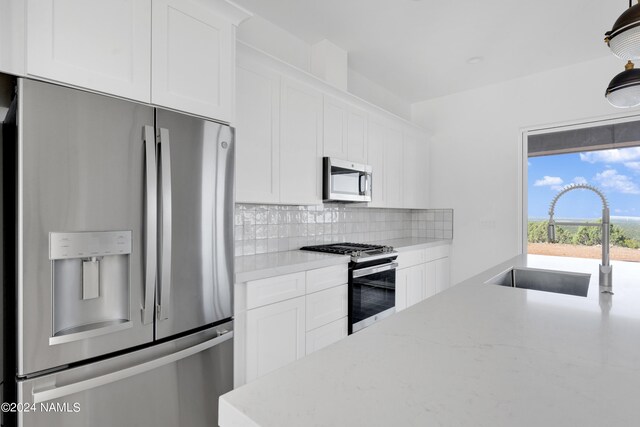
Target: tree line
585 236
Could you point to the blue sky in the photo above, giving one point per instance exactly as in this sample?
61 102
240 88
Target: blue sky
615 172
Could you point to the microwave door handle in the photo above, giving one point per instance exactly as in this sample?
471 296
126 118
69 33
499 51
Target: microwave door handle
151 210
164 298
362 184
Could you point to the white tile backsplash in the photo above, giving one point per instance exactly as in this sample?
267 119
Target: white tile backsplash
275 228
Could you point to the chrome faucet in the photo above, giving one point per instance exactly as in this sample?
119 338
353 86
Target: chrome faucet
605 267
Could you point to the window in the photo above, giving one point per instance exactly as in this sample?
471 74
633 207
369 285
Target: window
614 171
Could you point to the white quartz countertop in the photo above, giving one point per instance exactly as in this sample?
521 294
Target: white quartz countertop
474 355
253 267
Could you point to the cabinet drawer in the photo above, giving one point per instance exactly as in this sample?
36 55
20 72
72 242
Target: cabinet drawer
411 258
326 306
326 335
273 289
325 278
437 252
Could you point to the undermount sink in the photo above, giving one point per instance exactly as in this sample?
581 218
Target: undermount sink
560 282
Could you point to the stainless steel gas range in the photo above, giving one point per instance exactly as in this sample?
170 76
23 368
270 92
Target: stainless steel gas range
372 281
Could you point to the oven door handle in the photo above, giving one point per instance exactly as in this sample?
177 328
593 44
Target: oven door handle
375 269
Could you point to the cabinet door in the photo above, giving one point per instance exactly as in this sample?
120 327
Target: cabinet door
335 125
393 168
99 45
193 65
326 306
430 279
12 34
357 135
257 134
300 144
443 277
326 335
415 284
416 166
401 289
376 151
275 336
422 158
345 131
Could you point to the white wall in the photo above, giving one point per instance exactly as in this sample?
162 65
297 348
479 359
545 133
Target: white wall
364 88
268 37
274 40
475 142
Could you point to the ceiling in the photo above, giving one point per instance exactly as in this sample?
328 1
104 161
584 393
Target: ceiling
419 49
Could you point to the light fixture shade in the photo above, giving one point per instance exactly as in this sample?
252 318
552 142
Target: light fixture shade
624 37
624 89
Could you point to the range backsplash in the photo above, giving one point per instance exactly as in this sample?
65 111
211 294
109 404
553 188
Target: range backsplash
275 228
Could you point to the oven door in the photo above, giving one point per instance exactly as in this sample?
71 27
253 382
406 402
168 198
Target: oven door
372 295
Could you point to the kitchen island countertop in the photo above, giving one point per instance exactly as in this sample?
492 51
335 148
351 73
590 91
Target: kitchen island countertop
474 355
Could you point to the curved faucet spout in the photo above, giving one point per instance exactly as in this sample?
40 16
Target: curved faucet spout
605 267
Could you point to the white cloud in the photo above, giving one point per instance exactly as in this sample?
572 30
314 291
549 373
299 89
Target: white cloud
634 166
580 180
548 181
618 155
610 179
553 182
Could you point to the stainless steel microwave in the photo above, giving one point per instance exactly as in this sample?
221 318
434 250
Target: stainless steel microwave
345 181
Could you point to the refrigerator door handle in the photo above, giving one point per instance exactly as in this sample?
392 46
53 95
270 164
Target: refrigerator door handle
151 208
102 380
164 298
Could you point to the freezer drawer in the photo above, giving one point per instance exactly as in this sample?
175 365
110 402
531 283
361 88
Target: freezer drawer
173 384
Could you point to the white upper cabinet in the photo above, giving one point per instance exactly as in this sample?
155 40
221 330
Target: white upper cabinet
357 136
178 54
12 37
95 44
193 65
378 131
345 131
415 171
300 143
287 121
393 168
397 156
336 132
257 134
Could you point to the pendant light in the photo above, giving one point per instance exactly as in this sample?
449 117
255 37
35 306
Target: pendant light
624 89
624 41
624 37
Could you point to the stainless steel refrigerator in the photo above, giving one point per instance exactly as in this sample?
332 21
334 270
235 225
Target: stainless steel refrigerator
118 261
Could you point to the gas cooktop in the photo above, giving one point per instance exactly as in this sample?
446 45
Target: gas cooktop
360 252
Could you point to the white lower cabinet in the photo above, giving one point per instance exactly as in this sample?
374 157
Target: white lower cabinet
275 336
442 274
326 306
326 335
422 274
416 283
280 319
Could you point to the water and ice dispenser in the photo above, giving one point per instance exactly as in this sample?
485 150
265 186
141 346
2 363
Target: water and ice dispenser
91 283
